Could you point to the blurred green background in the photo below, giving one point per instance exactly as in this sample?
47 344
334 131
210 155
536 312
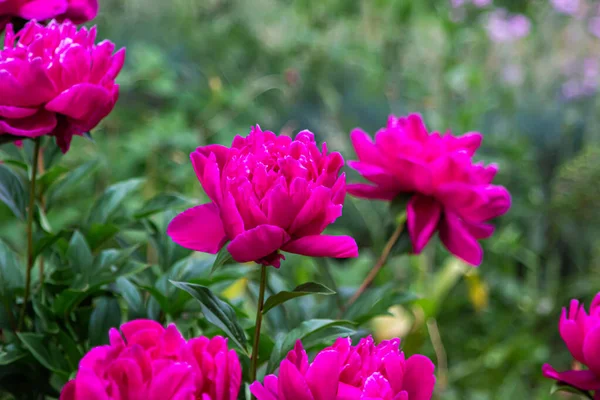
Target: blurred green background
202 71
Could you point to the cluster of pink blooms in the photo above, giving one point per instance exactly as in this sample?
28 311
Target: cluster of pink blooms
268 193
448 192
56 81
504 27
476 3
569 7
150 362
346 372
581 333
583 79
77 11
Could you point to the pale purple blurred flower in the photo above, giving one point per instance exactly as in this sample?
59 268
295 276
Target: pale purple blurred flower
457 3
481 3
572 89
594 26
513 75
504 28
566 6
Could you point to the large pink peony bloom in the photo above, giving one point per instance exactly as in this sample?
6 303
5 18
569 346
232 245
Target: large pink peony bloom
269 193
449 193
55 81
154 363
581 333
77 11
346 372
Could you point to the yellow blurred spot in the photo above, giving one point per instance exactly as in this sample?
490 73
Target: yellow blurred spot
392 326
236 289
215 84
478 291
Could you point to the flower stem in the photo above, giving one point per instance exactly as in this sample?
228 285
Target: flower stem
30 213
380 262
259 315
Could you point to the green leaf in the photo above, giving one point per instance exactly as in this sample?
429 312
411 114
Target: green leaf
12 191
68 299
105 207
10 354
70 182
72 353
11 274
305 330
49 178
563 387
106 315
131 295
223 258
376 301
45 318
160 203
38 347
79 253
46 240
99 234
302 290
217 312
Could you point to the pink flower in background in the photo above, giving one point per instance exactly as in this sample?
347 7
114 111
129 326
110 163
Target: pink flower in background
56 81
346 372
569 7
594 26
448 192
77 11
268 193
481 3
154 363
503 27
581 333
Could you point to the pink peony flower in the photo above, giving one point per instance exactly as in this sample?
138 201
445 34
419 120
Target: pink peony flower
77 11
346 372
154 363
448 192
55 81
269 193
581 334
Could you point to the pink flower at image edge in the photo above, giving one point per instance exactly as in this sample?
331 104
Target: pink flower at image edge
346 372
268 193
77 11
56 81
581 333
449 193
150 362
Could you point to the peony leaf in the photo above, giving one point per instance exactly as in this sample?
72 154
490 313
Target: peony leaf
217 312
106 315
223 258
108 204
160 203
563 387
302 290
12 191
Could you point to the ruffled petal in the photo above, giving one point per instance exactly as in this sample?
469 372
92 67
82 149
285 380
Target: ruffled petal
199 228
423 217
459 241
257 243
323 246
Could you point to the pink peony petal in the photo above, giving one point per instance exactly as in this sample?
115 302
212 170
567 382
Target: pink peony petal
41 123
42 9
199 228
419 378
365 191
323 375
591 350
257 243
323 246
81 101
423 217
173 382
459 241
292 384
584 380
16 112
572 333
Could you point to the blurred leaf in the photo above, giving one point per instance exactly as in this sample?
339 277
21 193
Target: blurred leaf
70 182
216 312
563 387
98 234
376 301
12 192
160 203
223 258
67 300
302 290
106 315
107 204
47 179
131 295
46 318
10 354
11 274
39 347
79 254
72 353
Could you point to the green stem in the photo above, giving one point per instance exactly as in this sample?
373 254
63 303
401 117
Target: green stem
380 262
259 315
30 213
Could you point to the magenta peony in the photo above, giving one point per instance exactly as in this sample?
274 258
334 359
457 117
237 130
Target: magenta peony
154 363
449 193
77 11
55 81
346 372
581 333
269 193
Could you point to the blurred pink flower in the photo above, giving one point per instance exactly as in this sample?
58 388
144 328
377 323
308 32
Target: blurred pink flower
269 193
502 27
594 26
581 334
346 372
481 3
448 192
55 81
566 6
77 11
154 363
